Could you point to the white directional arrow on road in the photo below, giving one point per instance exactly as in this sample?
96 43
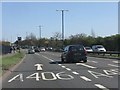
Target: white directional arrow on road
39 66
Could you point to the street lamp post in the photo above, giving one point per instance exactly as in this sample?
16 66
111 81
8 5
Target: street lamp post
39 33
40 30
62 12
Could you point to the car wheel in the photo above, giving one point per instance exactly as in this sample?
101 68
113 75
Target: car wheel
85 61
62 59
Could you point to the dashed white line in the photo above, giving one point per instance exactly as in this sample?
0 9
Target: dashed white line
85 65
59 64
101 87
63 66
68 69
113 65
115 61
75 73
85 78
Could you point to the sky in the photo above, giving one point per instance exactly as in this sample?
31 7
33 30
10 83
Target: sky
22 18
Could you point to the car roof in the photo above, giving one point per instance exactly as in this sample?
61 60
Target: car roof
75 45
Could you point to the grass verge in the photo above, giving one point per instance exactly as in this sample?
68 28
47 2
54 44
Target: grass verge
9 61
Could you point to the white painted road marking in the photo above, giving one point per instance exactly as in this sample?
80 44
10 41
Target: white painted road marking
19 75
96 74
85 78
47 58
101 87
85 65
63 66
75 73
59 64
39 66
113 65
115 61
68 69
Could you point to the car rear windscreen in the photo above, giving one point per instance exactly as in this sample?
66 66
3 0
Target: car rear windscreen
76 48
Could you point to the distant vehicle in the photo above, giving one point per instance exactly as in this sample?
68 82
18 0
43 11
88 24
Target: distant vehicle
49 48
37 49
98 48
31 50
42 49
88 49
74 53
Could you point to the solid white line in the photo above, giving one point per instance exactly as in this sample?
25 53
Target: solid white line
85 65
113 65
85 78
101 86
47 58
63 66
68 69
75 73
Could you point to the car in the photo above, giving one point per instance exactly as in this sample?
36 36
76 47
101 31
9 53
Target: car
88 49
98 48
37 49
31 50
74 53
42 49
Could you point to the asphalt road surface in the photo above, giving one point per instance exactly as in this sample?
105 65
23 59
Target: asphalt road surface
45 70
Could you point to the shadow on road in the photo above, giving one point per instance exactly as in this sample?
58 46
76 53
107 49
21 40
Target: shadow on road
59 62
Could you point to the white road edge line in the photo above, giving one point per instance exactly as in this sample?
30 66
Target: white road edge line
85 65
85 78
113 65
75 73
101 87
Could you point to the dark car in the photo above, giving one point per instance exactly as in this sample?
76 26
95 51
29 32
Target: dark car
74 53
37 49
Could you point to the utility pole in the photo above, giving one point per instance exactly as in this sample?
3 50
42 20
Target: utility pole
40 30
62 14
39 33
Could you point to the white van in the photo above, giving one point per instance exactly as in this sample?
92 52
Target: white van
98 48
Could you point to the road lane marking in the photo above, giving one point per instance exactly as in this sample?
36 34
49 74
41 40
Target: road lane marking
113 65
59 64
68 69
92 61
85 65
47 58
19 75
101 87
85 78
39 66
97 75
115 61
53 76
75 73
63 66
